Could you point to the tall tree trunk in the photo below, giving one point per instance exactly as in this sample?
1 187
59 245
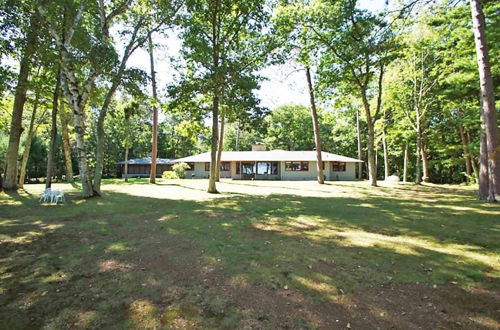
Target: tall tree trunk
53 132
474 164
79 116
10 177
317 138
425 163
483 180
418 171
487 100
27 145
219 148
370 140
64 117
405 164
238 132
466 155
216 96
215 142
360 151
154 147
386 156
125 171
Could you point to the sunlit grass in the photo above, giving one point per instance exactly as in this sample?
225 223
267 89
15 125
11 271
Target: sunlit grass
136 244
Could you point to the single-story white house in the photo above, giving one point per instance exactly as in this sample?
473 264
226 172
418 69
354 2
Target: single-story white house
260 164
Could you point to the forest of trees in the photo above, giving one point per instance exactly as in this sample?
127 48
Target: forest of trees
409 89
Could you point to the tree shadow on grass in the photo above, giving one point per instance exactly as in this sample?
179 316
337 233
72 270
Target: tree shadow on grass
277 261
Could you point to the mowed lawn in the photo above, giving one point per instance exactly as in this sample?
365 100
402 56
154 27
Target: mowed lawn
259 255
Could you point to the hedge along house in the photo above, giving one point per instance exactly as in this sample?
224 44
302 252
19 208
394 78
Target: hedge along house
141 167
260 164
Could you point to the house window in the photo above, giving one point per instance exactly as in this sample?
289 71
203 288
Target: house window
297 166
238 166
191 166
267 168
224 166
338 166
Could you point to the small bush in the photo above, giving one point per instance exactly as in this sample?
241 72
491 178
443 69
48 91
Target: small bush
180 169
169 175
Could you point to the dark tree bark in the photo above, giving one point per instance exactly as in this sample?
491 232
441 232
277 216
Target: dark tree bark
484 186
238 132
425 162
487 101
220 147
27 146
154 146
360 150
466 155
10 176
370 141
317 138
215 35
215 142
53 131
125 170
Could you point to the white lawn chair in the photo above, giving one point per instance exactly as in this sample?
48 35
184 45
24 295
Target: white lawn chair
46 196
58 196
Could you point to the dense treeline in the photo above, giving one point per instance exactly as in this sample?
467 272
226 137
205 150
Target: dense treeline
399 89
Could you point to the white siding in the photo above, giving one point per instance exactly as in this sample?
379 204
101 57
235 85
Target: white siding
299 175
200 173
348 175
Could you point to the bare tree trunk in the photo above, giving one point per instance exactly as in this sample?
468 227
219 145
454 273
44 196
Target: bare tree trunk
487 100
405 165
466 155
53 133
317 138
215 142
360 155
370 141
126 164
483 181
27 146
154 147
238 132
10 176
386 156
216 98
219 148
474 164
425 163
418 175
66 145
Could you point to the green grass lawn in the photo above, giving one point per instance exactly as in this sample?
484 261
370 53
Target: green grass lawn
258 255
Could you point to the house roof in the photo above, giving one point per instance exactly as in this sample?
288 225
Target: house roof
272 155
147 161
